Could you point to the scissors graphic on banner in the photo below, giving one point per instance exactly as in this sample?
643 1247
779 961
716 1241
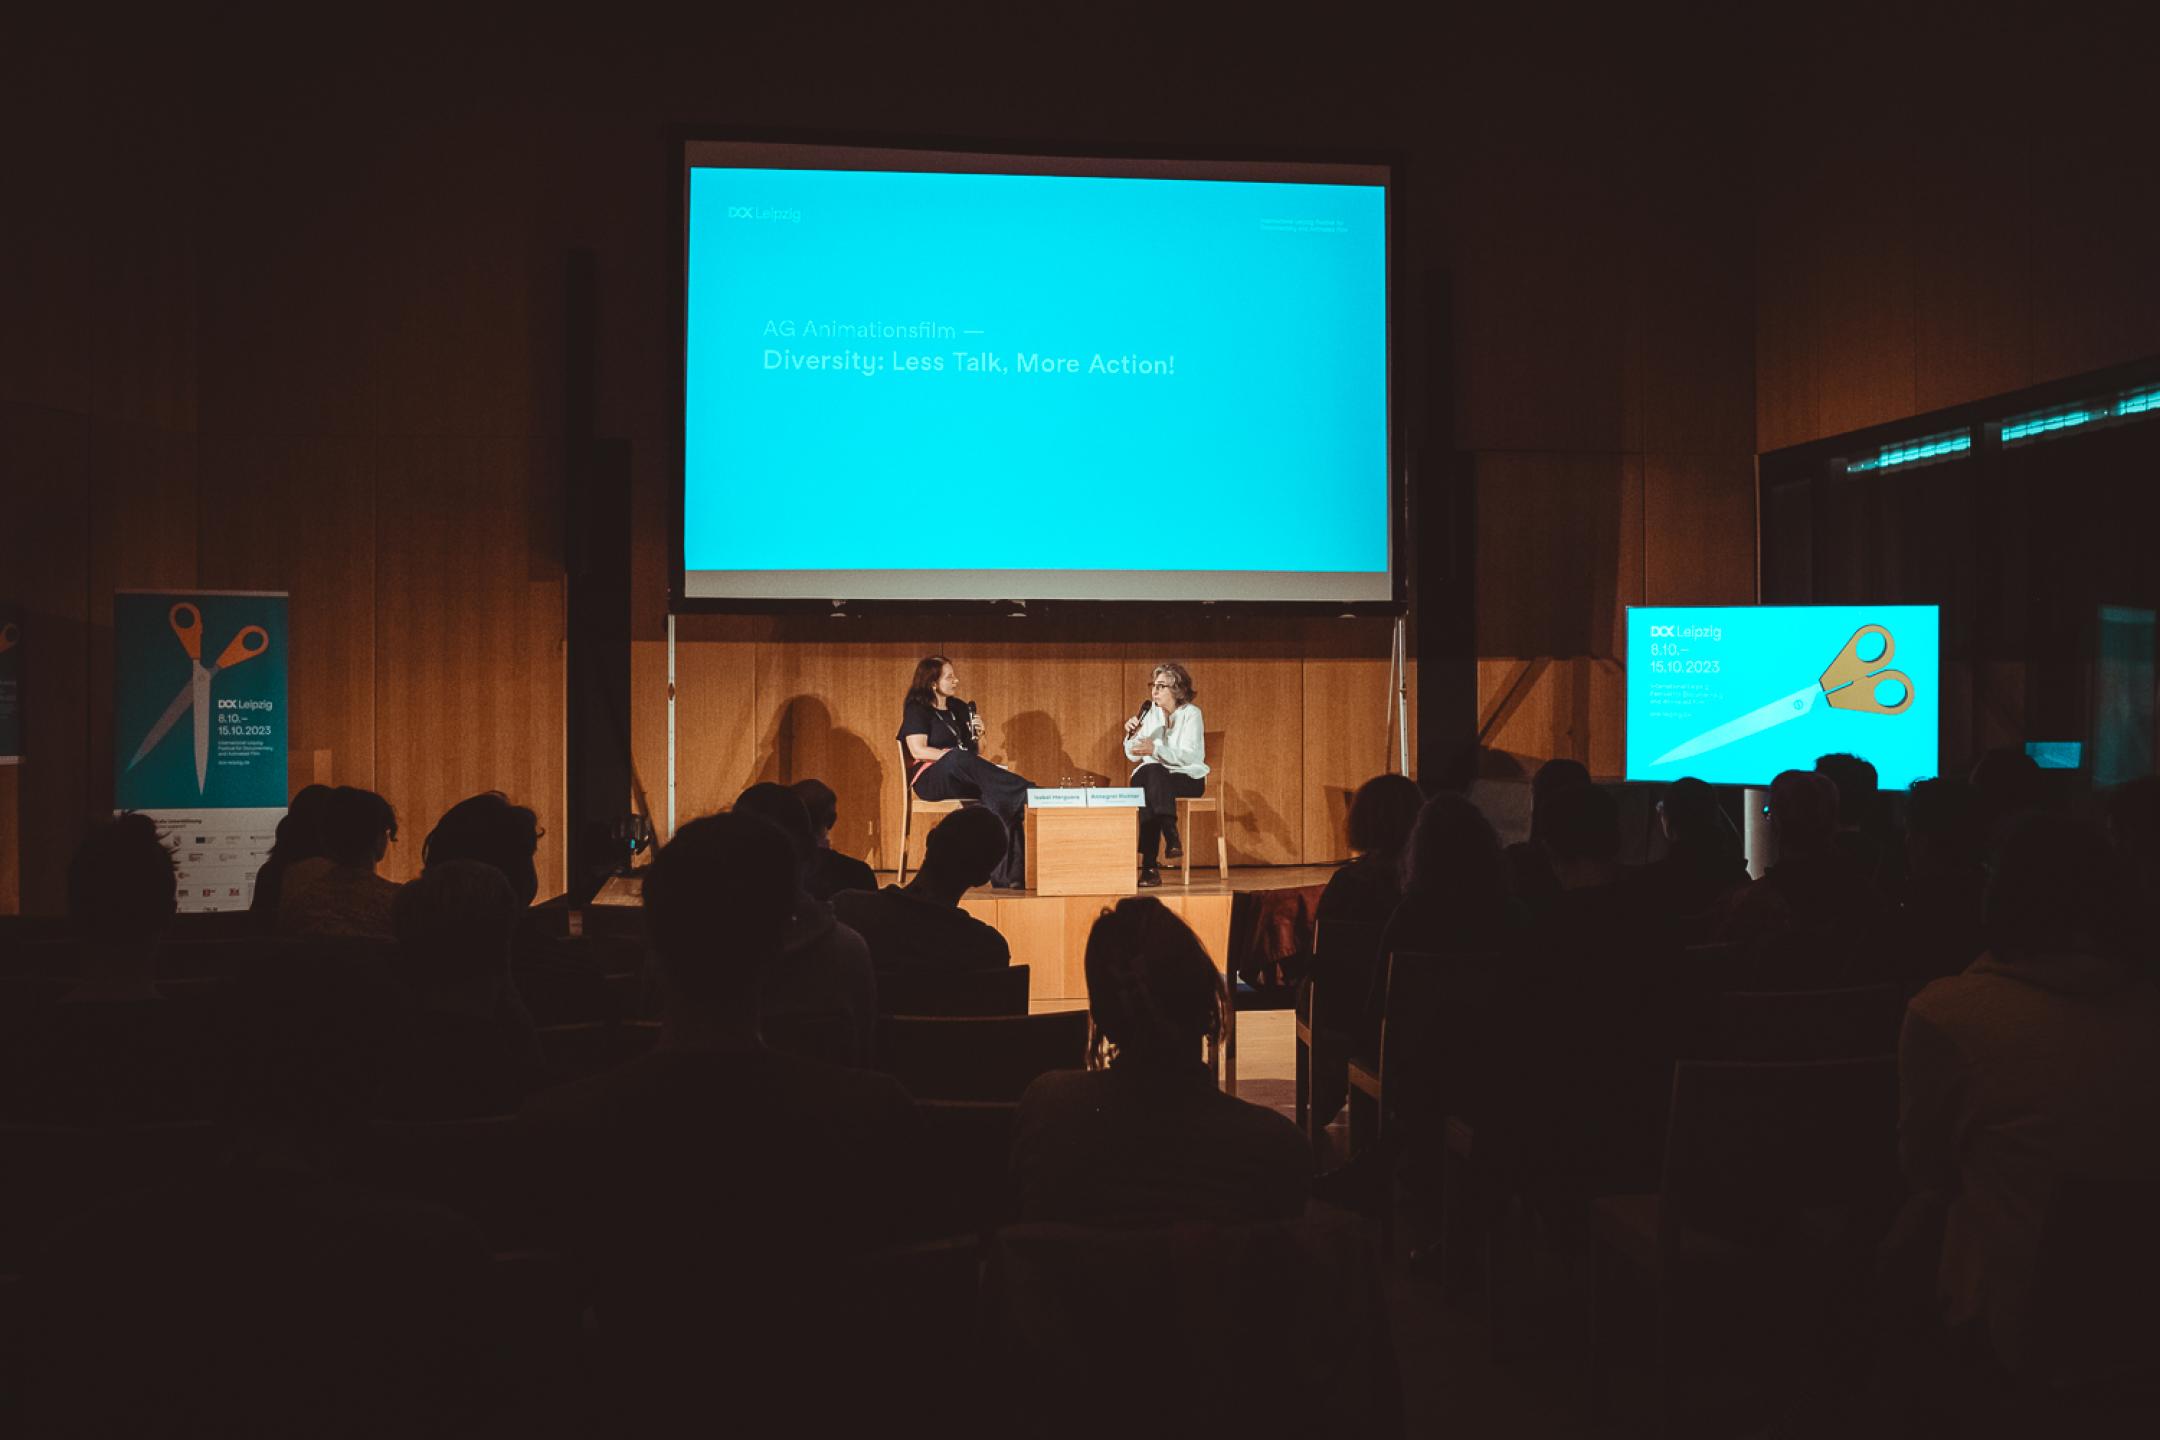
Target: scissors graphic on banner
1850 683
251 641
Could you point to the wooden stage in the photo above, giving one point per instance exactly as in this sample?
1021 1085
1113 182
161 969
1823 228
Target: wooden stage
1048 933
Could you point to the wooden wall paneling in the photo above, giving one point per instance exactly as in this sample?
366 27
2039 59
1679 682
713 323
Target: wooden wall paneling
718 725
297 513
143 533
46 572
1699 529
1348 735
2095 191
1541 296
1249 678
1560 557
1695 299
828 696
469 645
1972 224
1865 309
1559 552
1788 356
46 152
291 262
456 286
1053 697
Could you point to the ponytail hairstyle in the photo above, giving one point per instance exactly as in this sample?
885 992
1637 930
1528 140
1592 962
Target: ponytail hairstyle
1155 995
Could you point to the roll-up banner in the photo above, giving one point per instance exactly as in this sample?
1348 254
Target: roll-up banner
199 731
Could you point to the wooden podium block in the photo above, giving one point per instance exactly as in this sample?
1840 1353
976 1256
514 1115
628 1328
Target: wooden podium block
1090 851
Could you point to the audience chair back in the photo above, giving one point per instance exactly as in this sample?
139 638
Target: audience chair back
1846 1024
1210 803
1409 1013
912 805
1166 1324
983 992
1345 955
981 1057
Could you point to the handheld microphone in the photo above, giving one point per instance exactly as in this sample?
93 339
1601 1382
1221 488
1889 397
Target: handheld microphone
1142 713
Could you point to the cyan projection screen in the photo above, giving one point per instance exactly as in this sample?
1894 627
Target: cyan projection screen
925 376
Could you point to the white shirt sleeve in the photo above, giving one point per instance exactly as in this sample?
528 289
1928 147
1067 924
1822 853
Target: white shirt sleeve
1150 729
1183 749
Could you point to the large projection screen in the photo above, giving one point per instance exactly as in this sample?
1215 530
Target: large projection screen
939 376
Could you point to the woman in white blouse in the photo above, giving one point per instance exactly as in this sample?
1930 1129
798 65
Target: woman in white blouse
1167 744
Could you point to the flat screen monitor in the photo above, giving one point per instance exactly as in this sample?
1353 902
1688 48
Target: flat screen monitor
942 376
1734 694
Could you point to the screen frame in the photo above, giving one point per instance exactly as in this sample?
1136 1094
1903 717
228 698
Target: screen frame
680 141
1627 630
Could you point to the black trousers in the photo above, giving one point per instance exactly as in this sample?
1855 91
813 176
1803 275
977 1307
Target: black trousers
964 775
1158 811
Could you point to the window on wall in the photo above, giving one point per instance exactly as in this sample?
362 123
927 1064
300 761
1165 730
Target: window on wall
2022 516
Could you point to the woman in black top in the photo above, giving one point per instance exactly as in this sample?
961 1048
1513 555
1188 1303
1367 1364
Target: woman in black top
941 737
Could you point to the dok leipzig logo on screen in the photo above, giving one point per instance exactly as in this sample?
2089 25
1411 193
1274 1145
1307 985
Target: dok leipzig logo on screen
761 212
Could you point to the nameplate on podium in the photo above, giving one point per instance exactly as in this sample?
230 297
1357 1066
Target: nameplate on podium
1129 797
1057 797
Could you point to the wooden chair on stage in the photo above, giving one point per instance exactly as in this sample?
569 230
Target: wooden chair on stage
912 804
1208 804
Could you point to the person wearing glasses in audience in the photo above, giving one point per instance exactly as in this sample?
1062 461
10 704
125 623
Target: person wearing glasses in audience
1167 743
943 736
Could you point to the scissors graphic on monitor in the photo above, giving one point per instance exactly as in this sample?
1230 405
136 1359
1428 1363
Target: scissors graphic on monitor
1850 683
186 619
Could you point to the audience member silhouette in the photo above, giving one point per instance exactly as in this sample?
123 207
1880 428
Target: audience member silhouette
1368 888
1815 918
1529 862
824 966
112 1050
338 894
829 872
1702 870
1863 829
712 1187
1939 910
1143 1136
921 929
466 1047
488 828
1456 896
299 837
1363 892
2039 1062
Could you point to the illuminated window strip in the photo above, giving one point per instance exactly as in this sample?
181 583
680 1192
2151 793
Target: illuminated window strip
1912 452
2044 424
